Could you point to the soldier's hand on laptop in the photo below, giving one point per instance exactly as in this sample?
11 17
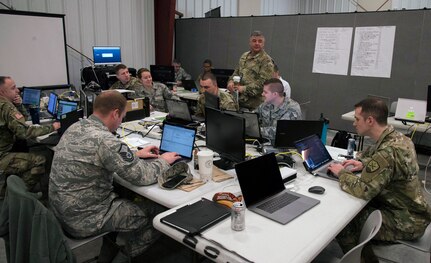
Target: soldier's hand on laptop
335 168
56 125
353 165
170 157
148 152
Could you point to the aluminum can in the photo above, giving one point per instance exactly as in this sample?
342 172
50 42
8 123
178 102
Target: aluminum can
351 145
237 216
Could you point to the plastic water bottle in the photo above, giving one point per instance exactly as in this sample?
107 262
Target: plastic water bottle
351 146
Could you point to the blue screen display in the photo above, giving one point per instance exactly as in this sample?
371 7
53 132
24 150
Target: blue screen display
178 139
106 55
31 96
52 103
65 106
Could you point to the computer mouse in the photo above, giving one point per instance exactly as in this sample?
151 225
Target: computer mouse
316 190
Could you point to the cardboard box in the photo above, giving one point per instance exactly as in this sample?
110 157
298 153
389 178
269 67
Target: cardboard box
133 105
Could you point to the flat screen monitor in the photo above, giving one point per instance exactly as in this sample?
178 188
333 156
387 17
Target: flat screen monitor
289 131
52 103
65 106
31 97
225 134
222 76
212 101
162 73
429 99
213 12
107 55
86 99
252 126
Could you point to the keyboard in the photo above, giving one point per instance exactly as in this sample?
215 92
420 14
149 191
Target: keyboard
278 202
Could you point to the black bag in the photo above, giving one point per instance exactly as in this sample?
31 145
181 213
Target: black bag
341 139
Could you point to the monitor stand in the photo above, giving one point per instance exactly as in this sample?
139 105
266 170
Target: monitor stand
224 164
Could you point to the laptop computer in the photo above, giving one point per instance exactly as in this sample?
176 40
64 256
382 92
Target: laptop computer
51 110
266 195
189 84
66 120
179 113
316 156
179 139
252 124
411 110
289 131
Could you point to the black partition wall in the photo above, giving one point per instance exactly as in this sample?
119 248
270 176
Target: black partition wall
290 40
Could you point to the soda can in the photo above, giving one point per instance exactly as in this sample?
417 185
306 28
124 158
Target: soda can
237 216
351 146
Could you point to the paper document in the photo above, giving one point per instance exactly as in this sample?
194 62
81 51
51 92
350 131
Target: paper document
135 142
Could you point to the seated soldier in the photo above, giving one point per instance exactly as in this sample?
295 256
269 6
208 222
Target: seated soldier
31 167
81 191
125 81
208 84
276 107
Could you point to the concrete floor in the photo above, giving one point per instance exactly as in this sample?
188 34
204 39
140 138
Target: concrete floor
167 250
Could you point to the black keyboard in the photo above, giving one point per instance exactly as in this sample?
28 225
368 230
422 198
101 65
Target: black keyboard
278 202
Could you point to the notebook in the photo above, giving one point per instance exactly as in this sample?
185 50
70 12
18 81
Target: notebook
179 113
316 156
411 110
264 192
179 139
195 218
289 131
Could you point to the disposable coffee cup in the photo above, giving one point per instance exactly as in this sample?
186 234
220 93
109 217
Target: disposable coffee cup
205 161
236 79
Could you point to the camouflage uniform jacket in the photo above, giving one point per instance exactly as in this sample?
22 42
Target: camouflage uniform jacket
182 74
80 186
390 180
133 84
12 125
253 70
157 95
226 103
269 115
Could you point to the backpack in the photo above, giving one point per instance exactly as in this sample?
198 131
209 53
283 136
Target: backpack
341 139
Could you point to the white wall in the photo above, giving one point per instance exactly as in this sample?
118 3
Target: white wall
127 23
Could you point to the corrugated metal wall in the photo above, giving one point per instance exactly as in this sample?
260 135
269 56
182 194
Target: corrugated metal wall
127 23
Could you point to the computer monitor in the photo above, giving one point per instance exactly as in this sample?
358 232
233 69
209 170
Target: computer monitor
31 96
212 101
106 55
252 126
162 73
222 76
52 103
86 100
225 134
65 106
213 12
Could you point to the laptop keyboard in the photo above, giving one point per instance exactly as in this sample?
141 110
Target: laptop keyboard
278 202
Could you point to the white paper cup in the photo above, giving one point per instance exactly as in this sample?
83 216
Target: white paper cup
236 79
205 161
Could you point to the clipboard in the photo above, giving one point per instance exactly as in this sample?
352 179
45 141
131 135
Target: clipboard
194 218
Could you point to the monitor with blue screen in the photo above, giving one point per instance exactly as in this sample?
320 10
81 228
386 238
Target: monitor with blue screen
107 55
65 106
31 96
179 139
52 103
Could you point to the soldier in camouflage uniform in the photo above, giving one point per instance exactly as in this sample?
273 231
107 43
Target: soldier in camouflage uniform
180 73
389 180
208 83
155 91
125 81
276 107
85 160
255 66
29 166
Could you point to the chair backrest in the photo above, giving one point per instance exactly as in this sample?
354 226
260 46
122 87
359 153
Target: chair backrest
34 234
393 108
369 230
423 243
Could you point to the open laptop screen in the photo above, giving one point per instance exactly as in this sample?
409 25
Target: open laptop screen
52 103
313 152
65 106
411 110
178 139
178 109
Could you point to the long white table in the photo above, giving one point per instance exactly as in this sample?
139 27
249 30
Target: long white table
264 240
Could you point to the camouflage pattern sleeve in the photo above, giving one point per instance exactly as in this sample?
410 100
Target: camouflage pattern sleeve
200 107
168 94
117 157
116 85
262 71
375 176
23 110
227 102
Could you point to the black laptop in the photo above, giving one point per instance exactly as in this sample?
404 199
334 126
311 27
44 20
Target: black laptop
289 131
179 113
264 192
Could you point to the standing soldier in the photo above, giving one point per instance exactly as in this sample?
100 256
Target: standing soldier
254 67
